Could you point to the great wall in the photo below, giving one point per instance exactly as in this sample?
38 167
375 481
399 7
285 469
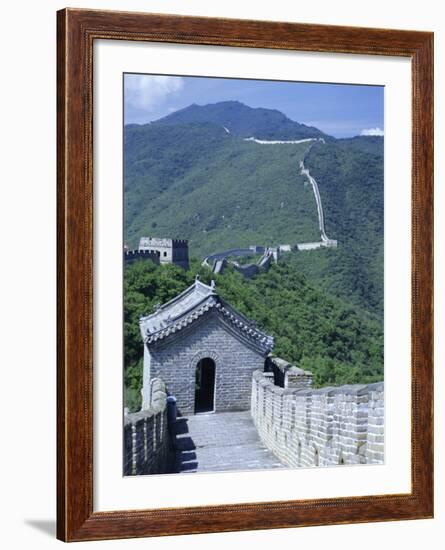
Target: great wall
176 250
219 260
319 427
259 411
325 241
147 443
215 398
293 426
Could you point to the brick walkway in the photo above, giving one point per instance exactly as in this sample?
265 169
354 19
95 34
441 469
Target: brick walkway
220 442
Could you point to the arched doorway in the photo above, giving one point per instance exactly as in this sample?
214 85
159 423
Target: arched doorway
205 385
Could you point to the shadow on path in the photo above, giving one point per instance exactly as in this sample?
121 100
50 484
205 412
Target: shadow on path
185 448
217 442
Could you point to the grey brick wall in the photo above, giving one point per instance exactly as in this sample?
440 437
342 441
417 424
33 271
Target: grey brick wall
287 375
175 362
131 256
147 443
305 427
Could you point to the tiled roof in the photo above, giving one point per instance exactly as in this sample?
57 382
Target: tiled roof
192 304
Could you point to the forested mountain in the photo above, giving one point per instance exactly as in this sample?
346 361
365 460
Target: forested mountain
244 121
192 175
195 181
349 173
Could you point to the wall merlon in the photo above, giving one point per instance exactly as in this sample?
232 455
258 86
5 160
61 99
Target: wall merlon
147 446
326 426
133 255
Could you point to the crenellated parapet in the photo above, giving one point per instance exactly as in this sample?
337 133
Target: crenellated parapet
287 375
147 443
171 251
131 256
320 427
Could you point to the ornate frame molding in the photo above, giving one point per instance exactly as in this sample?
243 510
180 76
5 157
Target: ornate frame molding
77 30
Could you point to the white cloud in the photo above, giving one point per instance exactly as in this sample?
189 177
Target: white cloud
372 132
148 92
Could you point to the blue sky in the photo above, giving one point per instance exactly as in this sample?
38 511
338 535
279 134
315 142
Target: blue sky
340 110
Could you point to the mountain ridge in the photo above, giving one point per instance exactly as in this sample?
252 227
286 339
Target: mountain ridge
190 178
244 121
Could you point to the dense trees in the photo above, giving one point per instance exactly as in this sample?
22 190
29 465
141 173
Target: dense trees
349 173
338 343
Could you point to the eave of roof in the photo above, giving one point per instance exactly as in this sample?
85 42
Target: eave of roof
174 316
176 308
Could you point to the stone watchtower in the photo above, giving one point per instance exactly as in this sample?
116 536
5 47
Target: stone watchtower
171 251
130 256
204 350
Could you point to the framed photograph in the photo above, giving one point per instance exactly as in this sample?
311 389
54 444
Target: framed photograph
245 229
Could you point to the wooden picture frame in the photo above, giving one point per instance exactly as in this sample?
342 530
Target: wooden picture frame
77 31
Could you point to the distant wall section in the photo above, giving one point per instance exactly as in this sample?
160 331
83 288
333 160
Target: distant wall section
131 256
171 251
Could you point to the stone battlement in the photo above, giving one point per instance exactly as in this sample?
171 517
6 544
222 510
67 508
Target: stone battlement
287 375
156 241
147 442
131 256
180 243
171 251
320 427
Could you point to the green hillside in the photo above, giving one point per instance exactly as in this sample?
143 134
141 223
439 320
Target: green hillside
349 174
187 177
244 121
311 329
196 181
